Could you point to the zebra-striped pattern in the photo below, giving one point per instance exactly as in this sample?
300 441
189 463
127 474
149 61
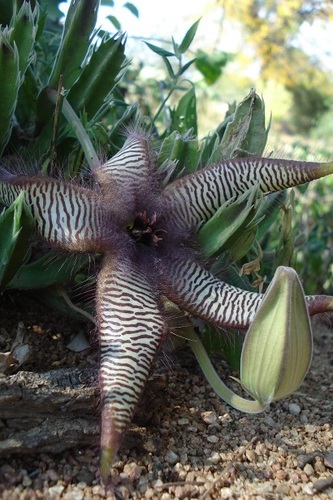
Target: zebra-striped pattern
129 167
65 215
197 291
194 199
131 328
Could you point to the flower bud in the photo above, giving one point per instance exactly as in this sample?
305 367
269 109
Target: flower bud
277 350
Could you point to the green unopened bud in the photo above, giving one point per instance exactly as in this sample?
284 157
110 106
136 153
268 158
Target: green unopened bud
277 349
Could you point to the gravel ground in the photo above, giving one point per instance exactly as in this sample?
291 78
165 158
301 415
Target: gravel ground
192 445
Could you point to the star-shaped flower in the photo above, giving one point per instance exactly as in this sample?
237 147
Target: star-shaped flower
147 235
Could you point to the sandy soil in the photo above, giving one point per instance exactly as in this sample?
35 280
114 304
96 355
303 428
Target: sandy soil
188 443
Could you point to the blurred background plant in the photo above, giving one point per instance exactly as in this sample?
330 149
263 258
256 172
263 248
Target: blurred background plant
67 92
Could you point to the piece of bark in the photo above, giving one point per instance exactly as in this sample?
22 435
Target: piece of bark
48 412
60 409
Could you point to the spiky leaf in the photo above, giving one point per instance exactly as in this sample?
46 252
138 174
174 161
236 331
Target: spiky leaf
80 22
9 85
181 149
184 116
23 34
15 229
246 134
99 76
49 270
228 222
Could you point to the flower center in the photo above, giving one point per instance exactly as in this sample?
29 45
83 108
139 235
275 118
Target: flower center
144 230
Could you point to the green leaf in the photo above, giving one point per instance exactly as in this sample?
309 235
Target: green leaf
9 85
168 67
51 269
184 117
246 134
159 50
185 67
183 150
175 48
243 243
132 9
15 229
230 342
270 208
23 33
79 25
228 222
100 75
53 298
212 151
114 20
53 12
210 66
188 38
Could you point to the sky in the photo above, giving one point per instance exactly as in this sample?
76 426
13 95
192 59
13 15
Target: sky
160 20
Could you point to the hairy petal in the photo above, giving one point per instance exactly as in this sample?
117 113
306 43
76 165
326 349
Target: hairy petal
199 292
131 330
194 199
65 215
126 177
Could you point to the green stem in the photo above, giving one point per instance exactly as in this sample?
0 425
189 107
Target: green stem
78 128
245 405
164 102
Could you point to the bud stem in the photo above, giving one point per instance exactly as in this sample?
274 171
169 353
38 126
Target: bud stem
242 404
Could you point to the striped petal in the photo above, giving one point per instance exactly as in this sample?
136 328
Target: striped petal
126 178
197 291
131 328
65 215
194 199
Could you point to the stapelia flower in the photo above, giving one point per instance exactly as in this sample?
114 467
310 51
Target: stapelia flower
147 235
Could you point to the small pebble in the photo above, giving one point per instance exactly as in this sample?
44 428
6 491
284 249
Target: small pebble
328 460
212 439
209 417
215 457
308 490
171 457
26 481
183 421
270 421
133 471
308 469
294 409
323 484
52 474
77 494
57 489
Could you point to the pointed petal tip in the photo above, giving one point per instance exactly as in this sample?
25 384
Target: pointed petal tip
108 454
318 304
111 439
